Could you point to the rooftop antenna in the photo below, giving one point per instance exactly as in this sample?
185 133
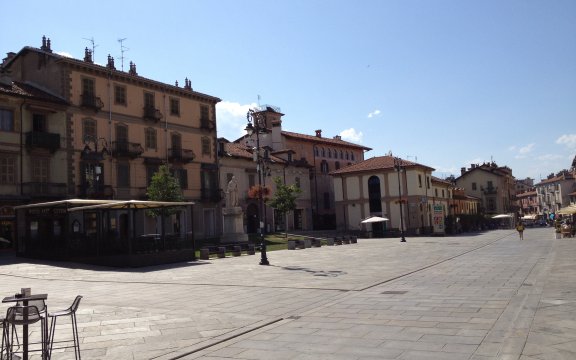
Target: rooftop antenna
258 101
91 40
122 50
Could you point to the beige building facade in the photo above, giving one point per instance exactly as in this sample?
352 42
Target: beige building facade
375 187
120 127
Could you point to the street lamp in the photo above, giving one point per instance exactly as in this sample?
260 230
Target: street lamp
92 159
257 125
398 167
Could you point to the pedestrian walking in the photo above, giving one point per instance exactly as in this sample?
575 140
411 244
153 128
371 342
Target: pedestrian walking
520 229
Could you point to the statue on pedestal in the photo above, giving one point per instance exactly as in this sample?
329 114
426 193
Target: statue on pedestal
232 193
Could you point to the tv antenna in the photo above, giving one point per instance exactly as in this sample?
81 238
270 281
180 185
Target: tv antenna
91 40
122 50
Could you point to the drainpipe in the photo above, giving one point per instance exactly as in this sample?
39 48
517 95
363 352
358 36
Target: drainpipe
22 147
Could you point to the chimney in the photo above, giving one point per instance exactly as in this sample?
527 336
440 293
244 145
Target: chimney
110 64
337 137
9 56
319 133
132 69
462 170
188 84
5 78
88 55
176 83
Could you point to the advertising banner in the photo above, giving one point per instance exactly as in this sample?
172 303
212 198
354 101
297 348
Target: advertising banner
438 219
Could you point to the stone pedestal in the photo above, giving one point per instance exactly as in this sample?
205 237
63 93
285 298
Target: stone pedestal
233 225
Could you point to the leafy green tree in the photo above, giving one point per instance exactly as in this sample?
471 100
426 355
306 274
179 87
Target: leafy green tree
284 199
163 187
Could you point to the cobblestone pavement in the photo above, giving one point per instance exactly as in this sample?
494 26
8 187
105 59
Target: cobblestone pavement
475 296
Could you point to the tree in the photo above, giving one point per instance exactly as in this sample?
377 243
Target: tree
163 187
284 199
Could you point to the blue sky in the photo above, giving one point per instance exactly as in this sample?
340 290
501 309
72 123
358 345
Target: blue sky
444 82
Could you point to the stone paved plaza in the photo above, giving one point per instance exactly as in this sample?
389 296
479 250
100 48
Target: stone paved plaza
475 296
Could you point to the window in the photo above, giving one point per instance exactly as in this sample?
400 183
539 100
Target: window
205 145
473 186
323 152
297 182
419 180
175 106
149 102
7 169
436 192
251 180
88 88
123 170
326 201
316 152
324 167
337 165
442 192
119 95
150 138
347 156
39 123
204 117
352 156
374 194
6 120
40 169
289 157
182 176
150 171
89 128
329 154
490 185
341 155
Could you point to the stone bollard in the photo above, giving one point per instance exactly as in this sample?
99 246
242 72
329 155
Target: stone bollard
221 251
307 243
354 239
251 249
204 254
330 241
237 250
291 245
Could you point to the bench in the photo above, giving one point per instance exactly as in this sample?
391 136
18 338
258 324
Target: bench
220 250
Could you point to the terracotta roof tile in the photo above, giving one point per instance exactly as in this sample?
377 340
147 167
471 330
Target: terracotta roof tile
20 89
323 140
376 163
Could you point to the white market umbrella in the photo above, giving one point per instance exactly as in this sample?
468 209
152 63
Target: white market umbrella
502 216
374 219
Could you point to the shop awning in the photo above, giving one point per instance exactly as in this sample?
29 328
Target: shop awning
66 203
133 204
568 210
529 217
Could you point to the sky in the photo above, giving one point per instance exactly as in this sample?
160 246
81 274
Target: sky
445 83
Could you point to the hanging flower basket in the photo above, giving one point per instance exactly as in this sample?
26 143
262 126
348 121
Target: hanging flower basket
256 191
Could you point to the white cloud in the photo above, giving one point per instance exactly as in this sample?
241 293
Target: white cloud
352 135
526 149
522 151
567 139
374 113
231 119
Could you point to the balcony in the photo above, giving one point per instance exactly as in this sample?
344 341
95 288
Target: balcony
211 195
491 190
89 101
44 189
181 155
152 114
44 140
126 149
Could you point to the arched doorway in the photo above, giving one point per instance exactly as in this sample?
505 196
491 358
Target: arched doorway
252 219
375 202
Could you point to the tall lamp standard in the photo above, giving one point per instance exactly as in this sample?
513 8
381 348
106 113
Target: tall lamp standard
257 125
399 168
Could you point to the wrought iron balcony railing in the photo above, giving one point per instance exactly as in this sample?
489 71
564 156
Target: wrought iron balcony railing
152 114
91 102
44 140
181 155
126 149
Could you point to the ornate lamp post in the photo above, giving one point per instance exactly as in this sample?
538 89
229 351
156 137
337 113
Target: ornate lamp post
257 125
92 159
398 166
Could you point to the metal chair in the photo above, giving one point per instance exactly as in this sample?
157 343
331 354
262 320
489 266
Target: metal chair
71 311
20 315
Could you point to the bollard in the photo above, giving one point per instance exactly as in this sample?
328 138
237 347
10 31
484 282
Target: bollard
204 254
221 251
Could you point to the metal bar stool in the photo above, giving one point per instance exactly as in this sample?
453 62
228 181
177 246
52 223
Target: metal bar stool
23 316
71 311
